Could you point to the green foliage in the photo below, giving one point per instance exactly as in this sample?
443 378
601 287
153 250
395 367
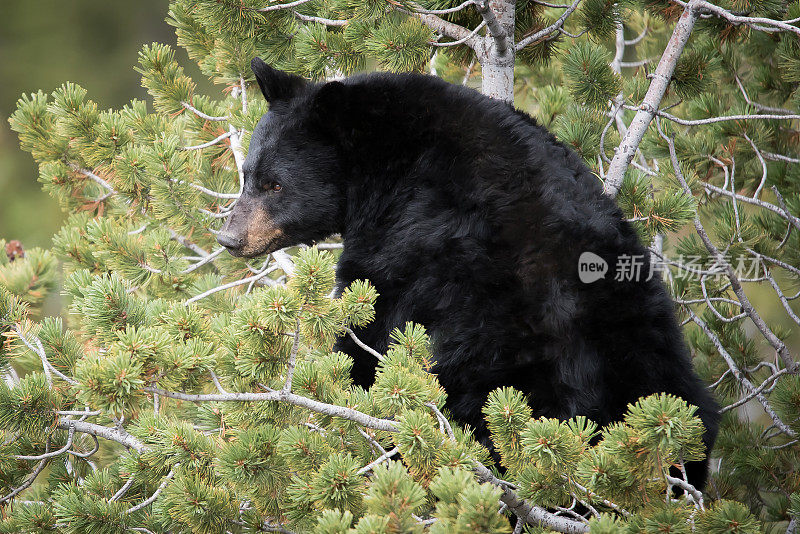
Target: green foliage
588 75
29 408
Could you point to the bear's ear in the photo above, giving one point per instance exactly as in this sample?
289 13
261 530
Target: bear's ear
332 110
331 97
275 84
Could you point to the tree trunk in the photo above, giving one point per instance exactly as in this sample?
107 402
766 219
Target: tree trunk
498 81
497 56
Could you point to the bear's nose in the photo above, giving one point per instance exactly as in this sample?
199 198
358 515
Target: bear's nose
228 240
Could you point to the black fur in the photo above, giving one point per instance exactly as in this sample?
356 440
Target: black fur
469 218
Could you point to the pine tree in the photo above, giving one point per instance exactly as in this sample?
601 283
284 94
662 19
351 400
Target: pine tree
185 390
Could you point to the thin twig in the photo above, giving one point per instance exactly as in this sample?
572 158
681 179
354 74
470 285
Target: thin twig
201 114
287 386
122 491
52 454
209 143
363 345
382 458
541 34
155 494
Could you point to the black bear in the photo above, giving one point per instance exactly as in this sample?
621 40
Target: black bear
470 219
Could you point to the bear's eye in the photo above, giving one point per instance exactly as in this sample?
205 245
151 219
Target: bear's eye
272 186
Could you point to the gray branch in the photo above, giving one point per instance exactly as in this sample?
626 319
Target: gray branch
649 107
496 30
287 397
541 34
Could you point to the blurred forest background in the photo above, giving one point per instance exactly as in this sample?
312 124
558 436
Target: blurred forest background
44 43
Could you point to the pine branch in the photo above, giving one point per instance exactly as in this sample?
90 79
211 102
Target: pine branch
779 346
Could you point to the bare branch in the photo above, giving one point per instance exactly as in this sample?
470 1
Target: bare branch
444 11
320 20
186 242
46 365
736 285
53 454
691 490
766 383
155 494
283 6
756 105
209 143
229 285
284 396
636 40
25 485
122 491
738 374
754 22
111 434
779 157
712 120
541 34
472 34
443 422
287 386
655 93
766 205
201 114
364 345
382 458
204 261
795 221
89 174
439 25
532 515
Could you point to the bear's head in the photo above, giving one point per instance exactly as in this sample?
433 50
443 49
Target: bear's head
292 176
